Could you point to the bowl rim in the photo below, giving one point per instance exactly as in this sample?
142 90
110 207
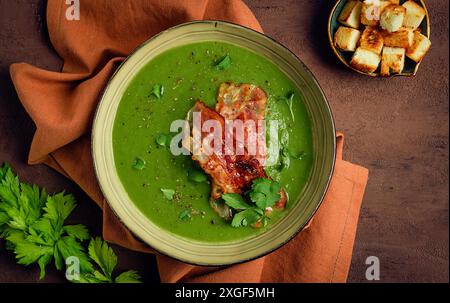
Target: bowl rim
373 75
312 77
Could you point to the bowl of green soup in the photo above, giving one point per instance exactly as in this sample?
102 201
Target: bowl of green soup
215 209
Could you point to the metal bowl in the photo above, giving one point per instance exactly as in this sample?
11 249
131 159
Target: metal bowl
187 250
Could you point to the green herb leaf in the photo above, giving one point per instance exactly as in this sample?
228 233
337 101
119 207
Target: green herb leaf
106 259
265 192
103 256
79 231
245 218
163 140
168 193
185 215
197 176
235 201
69 247
158 91
265 221
139 163
32 223
224 63
130 276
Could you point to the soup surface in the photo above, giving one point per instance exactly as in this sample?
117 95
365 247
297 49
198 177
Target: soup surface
159 185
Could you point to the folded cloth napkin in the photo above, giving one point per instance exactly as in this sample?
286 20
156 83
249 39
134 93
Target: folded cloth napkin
62 105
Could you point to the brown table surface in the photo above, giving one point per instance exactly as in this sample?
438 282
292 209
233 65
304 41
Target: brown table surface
398 128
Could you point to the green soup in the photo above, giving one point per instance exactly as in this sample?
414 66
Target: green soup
188 73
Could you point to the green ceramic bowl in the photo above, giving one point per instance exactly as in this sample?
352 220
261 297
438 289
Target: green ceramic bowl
410 68
187 250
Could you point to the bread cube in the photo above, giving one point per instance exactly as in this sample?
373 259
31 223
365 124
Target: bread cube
393 60
350 14
414 14
402 38
346 38
370 14
372 40
420 46
392 18
365 60
397 2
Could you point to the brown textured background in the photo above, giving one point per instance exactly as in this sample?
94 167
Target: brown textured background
398 128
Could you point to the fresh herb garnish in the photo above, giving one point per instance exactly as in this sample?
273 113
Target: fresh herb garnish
163 140
235 201
139 163
168 193
33 225
224 63
197 176
185 215
263 194
245 218
105 258
158 91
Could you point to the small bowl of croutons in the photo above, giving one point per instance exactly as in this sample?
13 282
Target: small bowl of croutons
380 37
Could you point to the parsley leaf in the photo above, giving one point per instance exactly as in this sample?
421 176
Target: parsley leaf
185 215
70 247
139 163
79 231
245 218
168 193
33 225
265 193
158 91
224 63
130 276
197 176
163 140
103 256
235 201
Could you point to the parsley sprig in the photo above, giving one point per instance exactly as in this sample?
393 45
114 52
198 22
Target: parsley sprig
32 223
263 194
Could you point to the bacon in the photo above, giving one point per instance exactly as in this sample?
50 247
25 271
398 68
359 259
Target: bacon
231 172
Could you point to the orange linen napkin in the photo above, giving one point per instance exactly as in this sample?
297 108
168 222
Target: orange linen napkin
62 105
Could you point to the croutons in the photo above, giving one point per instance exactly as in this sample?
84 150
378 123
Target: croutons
392 18
350 14
347 38
414 14
394 1
402 38
393 60
372 40
365 60
420 46
370 14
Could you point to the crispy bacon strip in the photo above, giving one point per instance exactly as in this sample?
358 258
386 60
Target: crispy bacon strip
234 173
230 173
247 102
